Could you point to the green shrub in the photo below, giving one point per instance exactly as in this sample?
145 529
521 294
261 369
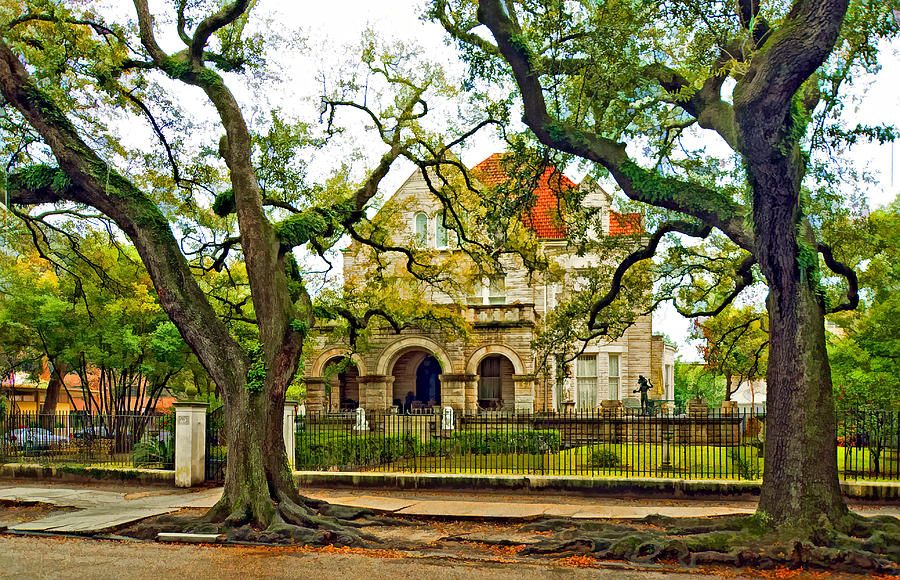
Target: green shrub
149 452
498 442
604 458
346 451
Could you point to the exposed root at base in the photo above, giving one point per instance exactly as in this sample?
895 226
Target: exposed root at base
292 521
855 544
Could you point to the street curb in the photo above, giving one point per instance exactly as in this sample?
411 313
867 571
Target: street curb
613 486
80 473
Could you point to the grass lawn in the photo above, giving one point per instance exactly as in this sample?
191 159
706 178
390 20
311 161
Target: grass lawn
622 459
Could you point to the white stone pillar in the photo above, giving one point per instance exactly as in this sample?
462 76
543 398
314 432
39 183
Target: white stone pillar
190 443
289 431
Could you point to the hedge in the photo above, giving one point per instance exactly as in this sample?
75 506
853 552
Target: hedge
346 451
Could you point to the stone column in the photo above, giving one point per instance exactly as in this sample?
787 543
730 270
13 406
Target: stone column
730 426
523 388
471 394
315 394
378 389
453 391
289 432
190 443
699 414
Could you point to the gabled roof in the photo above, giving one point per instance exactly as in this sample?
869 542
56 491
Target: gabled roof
546 216
624 224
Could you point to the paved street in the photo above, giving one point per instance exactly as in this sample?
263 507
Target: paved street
76 558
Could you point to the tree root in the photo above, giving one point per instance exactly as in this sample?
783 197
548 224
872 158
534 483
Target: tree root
854 544
292 519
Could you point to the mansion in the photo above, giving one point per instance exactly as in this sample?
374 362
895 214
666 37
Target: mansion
493 367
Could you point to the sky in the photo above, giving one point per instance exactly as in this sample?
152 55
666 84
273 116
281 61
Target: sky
329 28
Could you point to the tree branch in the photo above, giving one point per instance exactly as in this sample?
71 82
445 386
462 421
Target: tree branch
211 24
647 252
743 279
843 270
706 204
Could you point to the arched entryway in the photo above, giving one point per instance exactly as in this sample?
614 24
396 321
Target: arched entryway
496 389
417 385
341 384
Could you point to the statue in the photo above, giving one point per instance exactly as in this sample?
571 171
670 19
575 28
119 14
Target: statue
644 385
361 423
447 419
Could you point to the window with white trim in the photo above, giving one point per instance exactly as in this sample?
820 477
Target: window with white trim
613 377
490 290
420 225
440 233
586 377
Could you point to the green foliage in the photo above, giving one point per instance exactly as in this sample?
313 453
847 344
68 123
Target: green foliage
36 177
224 203
603 458
735 345
746 464
319 450
256 371
94 310
153 452
493 442
864 347
660 189
693 381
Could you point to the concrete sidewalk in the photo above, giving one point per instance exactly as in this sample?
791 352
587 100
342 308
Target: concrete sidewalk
98 510
101 510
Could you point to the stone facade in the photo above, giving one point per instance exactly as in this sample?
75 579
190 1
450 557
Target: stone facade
494 368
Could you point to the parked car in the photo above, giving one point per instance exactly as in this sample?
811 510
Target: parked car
34 438
95 432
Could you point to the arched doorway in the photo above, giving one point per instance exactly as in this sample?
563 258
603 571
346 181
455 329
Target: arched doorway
417 385
342 384
496 390
428 385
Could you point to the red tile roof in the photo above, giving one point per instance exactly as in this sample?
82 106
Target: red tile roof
624 224
545 217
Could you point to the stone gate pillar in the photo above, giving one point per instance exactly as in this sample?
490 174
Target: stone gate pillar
470 383
289 432
190 443
453 391
379 391
523 386
315 394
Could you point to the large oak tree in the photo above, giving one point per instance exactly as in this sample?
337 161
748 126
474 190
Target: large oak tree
63 67
762 80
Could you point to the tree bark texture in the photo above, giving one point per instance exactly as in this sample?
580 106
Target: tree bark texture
800 483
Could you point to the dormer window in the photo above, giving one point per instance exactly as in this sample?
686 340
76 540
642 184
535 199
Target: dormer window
421 230
440 233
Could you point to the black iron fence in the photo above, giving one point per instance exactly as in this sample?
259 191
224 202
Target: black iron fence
216 446
146 441
868 445
624 443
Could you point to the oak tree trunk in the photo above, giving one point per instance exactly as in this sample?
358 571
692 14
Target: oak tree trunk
800 483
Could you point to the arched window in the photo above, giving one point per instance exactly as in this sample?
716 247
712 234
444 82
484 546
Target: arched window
421 229
440 233
490 383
